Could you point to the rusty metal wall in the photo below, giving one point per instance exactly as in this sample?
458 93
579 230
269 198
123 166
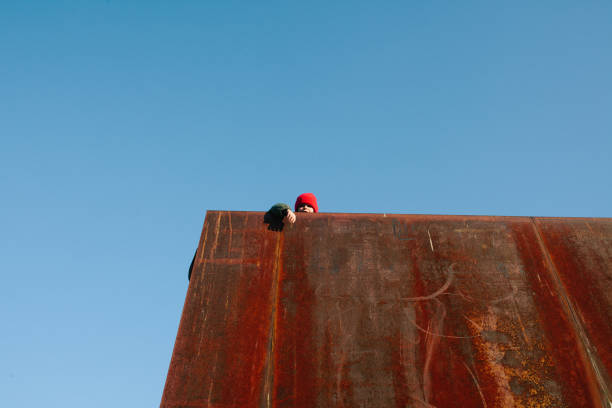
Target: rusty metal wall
374 310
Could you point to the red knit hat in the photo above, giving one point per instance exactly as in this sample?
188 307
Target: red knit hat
307 198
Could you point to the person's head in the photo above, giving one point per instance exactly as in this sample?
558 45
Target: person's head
306 202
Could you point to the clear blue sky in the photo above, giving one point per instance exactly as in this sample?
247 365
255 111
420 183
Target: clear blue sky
122 122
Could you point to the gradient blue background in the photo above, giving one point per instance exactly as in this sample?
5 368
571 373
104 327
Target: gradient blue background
122 122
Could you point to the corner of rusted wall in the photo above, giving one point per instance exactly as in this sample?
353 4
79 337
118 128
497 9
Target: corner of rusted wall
599 384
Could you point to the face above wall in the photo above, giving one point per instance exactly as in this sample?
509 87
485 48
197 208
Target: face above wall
305 208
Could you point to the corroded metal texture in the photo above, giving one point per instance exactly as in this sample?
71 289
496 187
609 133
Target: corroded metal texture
374 310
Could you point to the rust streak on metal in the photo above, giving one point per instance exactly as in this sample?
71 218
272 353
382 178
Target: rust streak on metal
438 292
484 402
270 360
588 355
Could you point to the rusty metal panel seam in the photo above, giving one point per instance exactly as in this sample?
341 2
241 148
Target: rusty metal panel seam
592 361
269 367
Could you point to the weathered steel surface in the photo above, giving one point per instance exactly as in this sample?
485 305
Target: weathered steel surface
356 310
